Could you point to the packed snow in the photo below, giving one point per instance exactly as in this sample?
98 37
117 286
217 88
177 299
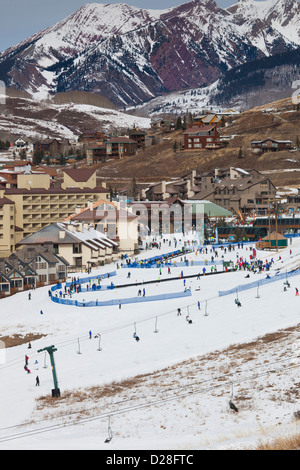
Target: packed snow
170 390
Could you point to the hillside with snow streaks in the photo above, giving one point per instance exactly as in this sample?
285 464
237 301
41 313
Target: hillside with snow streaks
132 55
35 120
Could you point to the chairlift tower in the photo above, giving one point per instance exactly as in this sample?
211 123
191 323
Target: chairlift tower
51 350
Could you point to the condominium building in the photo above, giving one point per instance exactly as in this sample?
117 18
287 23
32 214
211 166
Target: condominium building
7 225
24 210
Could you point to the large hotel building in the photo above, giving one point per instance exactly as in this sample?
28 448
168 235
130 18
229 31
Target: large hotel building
34 203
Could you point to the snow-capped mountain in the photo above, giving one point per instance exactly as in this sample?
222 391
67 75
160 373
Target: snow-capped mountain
131 55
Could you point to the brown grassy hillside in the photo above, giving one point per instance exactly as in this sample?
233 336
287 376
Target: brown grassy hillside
279 120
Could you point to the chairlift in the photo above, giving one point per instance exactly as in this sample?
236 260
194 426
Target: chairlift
110 433
79 351
45 361
233 407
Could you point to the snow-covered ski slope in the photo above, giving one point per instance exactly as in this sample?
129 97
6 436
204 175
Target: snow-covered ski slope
171 389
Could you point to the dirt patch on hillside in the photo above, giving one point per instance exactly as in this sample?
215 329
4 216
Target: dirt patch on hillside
17 340
171 376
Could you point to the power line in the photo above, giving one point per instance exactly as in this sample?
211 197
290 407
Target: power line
134 407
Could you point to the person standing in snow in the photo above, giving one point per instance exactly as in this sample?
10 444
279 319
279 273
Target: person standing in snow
37 381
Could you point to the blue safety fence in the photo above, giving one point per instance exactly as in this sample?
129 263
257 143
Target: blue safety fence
158 261
130 300
260 282
177 264
98 278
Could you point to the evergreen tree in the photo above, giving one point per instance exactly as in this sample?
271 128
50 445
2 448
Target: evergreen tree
134 189
23 154
37 157
62 159
178 123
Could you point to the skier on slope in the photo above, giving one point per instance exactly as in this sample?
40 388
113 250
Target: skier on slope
233 407
136 337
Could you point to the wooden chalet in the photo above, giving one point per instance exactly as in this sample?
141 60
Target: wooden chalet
201 136
271 145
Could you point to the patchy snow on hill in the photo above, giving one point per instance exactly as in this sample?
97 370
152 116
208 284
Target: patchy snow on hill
170 390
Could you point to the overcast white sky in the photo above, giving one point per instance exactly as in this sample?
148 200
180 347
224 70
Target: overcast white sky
19 19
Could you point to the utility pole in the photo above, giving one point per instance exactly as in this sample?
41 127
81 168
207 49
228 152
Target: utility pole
269 216
51 350
276 215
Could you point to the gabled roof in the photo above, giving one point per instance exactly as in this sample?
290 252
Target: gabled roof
120 140
81 175
272 140
194 130
95 214
4 277
5 200
58 233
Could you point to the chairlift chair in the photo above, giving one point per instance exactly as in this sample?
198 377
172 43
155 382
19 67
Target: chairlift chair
110 433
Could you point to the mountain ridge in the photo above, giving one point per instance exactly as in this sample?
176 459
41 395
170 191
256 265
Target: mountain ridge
131 55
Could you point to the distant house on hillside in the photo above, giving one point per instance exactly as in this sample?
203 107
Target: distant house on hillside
139 136
202 137
159 123
95 153
120 147
208 119
91 137
51 147
270 145
21 143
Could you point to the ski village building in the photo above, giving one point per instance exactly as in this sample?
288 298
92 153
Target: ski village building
79 244
202 136
30 268
35 202
271 145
